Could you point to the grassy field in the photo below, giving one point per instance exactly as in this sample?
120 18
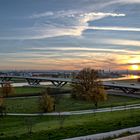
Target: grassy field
51 128
23 91
27 90
31 105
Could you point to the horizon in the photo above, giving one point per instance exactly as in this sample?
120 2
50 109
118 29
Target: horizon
70 35
128 72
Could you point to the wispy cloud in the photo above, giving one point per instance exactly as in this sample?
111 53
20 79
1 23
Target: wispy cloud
73 13
80 51
123 42
115 28
126 1
60 23
45 14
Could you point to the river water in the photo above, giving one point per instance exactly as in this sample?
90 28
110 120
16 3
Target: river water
125 77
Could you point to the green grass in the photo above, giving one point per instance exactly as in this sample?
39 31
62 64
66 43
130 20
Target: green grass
69 104
15 128
24 91
27 90
31 105
27 105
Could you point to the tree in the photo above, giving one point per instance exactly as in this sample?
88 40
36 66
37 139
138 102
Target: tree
2 107
61 118
7 89
1 101
29 123
46 102
88 86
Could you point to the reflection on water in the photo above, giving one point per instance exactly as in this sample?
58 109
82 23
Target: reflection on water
26 84
125 77
134 76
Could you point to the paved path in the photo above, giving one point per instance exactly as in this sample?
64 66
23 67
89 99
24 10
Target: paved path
107 134
131 137
81 112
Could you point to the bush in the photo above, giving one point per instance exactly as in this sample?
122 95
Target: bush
2 107
46 102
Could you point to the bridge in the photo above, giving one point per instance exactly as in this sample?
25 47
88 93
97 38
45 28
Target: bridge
34 81
60 82
125 87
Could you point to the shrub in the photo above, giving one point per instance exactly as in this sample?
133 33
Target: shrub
46 102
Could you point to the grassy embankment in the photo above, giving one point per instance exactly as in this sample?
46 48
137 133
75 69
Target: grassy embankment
25 91
48 127
31 105
66 103
30 90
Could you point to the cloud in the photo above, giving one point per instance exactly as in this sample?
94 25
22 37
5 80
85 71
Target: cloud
45 14
53 14
46 42
72 13
79 51
126 1
114 2
123 42
115 28
60 23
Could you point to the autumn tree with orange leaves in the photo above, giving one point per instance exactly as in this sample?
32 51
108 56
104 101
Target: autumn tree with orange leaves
7 89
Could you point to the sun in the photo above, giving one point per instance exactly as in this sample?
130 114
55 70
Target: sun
135 67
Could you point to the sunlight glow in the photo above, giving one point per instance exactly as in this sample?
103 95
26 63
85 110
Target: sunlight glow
134 76
135 67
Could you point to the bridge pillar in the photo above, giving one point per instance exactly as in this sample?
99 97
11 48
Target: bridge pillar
33 82
5 79
128 91
58 83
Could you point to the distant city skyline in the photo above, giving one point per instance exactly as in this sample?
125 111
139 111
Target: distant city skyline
69 34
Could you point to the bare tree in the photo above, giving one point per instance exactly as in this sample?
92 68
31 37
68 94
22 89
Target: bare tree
88 86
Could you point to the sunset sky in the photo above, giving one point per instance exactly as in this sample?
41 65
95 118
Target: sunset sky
69 34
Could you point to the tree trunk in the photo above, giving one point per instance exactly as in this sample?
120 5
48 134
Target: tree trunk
96 105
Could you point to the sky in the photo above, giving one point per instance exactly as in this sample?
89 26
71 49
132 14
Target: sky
69 34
